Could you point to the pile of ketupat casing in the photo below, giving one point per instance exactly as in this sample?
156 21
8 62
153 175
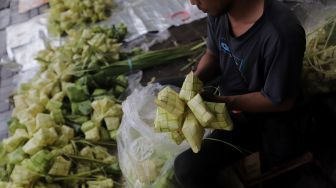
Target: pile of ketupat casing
87 48
185 115
65 15
319 73
63 128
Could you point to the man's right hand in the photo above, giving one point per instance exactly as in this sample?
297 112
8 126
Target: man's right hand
209 96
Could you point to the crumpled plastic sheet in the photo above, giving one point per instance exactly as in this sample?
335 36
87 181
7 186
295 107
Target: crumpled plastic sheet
141 16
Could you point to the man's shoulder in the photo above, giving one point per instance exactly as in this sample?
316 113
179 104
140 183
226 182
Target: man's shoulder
283 21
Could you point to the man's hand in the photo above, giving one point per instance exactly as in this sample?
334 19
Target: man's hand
209 96
251 102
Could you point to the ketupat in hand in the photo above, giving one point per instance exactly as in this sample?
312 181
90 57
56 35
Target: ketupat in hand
196 116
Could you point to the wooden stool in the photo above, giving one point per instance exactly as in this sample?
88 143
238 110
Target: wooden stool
249 170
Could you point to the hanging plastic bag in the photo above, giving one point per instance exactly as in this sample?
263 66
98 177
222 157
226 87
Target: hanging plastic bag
145 156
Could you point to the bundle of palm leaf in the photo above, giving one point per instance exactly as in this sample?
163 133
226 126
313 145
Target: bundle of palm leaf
319 73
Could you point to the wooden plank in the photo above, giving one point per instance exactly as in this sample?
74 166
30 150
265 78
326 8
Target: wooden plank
300 161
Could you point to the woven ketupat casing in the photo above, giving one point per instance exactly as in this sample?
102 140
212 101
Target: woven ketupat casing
38 162
87 152
60 167
177 136
222 117
112 123
100 183
19 137
200 110
68 150
44 121
192 85
67 133
166 122
43 137
46 136
169 100
32 146
92 134
23 176
193 132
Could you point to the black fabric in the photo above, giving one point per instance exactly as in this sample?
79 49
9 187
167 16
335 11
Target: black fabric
267 58
203 169
277 136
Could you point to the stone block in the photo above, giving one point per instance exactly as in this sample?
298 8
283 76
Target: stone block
19 17
6 82
6 92
43 9
33 12
14 5
4 18
2 42
6 72
5 116
4 106
4 4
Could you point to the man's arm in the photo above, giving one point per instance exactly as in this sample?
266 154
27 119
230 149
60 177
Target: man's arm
252 102
208 67
207 70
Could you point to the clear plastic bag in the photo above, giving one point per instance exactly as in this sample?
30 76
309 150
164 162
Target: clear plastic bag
144 155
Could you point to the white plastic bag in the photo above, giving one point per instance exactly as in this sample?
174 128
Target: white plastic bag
144 155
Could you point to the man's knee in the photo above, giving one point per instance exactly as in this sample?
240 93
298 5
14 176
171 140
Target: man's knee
194 170
185 168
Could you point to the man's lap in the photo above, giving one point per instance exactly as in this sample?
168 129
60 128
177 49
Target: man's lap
276 138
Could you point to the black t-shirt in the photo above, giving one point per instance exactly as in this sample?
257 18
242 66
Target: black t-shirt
267 58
